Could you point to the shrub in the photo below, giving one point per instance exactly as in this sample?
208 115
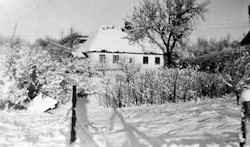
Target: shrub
236 73
160 86
32 71
129 70
29 70
231 65
102 66
212 62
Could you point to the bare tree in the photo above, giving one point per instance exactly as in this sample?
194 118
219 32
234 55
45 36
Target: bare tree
165 23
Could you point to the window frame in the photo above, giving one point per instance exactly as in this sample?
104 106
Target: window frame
102 58
145 60
116 58
157 60
130 60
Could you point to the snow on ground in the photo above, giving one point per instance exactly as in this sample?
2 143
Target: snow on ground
209 123
24 129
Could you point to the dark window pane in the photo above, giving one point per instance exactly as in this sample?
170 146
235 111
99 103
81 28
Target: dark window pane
145 60
102 58
157 60
130 60
115 58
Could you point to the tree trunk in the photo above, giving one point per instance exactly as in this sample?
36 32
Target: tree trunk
168 62
165 58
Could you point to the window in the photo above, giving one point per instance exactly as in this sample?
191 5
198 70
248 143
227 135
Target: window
130 60
157 60
102 58
115 58
145 60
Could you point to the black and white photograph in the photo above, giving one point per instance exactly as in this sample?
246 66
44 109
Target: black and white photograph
124 73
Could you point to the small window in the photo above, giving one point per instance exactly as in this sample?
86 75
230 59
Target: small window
145 60
130 60
157 60
115 58
102 58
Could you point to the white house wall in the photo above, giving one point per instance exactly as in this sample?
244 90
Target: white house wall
137 58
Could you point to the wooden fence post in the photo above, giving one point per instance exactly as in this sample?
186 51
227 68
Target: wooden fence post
73 118
245 98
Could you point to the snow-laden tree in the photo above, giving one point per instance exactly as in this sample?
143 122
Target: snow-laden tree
165 23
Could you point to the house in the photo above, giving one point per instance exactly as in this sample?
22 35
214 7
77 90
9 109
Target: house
79 40
110 44
246 40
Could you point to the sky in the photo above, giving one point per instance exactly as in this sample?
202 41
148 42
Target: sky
54 18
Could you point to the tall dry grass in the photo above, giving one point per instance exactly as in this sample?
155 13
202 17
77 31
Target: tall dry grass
159 87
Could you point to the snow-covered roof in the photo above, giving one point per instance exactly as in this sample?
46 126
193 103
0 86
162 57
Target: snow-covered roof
112 39
78 54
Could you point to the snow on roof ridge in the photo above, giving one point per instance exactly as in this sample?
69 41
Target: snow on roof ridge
109 27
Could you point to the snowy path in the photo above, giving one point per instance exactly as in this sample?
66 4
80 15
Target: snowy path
208 123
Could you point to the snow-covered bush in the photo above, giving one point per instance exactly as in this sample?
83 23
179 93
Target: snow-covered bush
5 83
14 73
28 70
128 69
90 67
102 66
236 72
31 70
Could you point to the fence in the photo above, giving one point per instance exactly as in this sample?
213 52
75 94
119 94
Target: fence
81 131
245 122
